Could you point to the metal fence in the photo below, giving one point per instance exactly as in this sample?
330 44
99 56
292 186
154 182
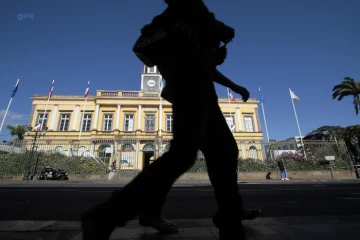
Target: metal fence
128 156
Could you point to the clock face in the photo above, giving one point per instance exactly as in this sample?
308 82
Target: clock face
151 83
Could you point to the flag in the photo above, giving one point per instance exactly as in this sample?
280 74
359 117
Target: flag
232 128
37 127
15 89
293 96
51 89
87 90
261 96
231 97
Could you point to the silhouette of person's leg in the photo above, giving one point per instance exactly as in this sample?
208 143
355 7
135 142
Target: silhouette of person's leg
221 153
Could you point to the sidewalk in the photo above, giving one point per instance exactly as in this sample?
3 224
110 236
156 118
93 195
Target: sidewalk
107 183
279 228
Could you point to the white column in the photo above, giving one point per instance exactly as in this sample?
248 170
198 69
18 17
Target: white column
118 116
257 120
139 117
47 147
160 148
160 119
115 153
53 117
77 107
137 154
239 119
96 117
69 150
243 151
92 148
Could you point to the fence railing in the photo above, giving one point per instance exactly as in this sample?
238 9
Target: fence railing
129 156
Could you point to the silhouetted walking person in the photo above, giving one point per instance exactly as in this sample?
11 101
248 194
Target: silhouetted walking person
200 126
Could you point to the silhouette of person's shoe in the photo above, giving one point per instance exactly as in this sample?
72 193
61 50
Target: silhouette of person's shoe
159 223
96 223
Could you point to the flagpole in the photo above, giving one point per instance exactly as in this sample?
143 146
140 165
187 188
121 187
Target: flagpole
47 104
5 114
160 120
263 110
42 121
297 121
266 128
7 109
230 108
82 118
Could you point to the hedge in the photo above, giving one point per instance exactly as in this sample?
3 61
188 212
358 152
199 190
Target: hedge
293 162
15 164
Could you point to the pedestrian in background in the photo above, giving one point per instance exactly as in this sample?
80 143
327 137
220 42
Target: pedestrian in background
282 168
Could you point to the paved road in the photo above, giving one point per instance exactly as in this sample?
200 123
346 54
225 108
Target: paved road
66 203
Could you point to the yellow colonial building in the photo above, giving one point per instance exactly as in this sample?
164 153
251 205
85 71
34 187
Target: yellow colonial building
130 128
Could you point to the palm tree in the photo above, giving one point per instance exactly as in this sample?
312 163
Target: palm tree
348 87
17 131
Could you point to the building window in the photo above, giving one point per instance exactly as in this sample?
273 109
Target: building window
64 122
169 123
253 152
107 122
59 149
150 123
230 122
129 123
249 126
40 119
86 122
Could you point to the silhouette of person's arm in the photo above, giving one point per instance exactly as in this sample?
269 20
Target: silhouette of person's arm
222 80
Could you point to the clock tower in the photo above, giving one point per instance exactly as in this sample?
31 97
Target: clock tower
150 79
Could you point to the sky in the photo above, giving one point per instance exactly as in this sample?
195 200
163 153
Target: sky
308 46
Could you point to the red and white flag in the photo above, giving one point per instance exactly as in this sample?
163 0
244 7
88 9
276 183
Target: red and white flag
231 97
37 127
51 90
87 90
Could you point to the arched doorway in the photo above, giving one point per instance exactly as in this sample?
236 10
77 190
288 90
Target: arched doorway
104 152
127 156
148 154
253 153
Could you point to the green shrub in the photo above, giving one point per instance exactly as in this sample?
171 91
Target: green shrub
291 163
15 164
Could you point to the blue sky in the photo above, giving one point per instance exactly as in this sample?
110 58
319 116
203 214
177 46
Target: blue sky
308 46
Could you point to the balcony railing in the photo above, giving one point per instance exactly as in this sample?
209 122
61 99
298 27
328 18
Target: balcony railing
109 94
130 94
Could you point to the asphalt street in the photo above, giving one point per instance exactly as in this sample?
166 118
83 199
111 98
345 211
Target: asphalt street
190 202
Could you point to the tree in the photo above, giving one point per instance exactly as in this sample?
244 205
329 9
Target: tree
329 132
17 131
346 133
348 87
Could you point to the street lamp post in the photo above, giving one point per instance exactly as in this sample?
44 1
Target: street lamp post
36 135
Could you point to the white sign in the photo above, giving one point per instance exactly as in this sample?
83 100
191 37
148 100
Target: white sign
330 158
109 150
